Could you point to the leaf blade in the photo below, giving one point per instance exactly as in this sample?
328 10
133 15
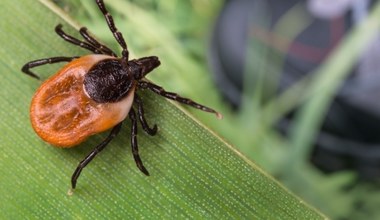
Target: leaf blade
195 174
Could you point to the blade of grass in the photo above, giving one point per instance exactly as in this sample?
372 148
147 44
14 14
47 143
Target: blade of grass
326 82
318 88
194 173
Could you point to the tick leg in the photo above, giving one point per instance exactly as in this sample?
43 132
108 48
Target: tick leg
73 40
140 114
170 95
135 149
115 130
111 24
84 32
26 68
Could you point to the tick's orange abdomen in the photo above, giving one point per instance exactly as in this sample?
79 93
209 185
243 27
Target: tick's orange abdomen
61 112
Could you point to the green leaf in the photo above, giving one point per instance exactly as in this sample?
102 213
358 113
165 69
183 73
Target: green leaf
194 173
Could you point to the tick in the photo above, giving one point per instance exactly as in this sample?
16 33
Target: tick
95 93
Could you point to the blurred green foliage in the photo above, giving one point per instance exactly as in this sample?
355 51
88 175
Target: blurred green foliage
194 173
178 32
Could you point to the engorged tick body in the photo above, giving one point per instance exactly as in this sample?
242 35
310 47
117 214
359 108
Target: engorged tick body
94 93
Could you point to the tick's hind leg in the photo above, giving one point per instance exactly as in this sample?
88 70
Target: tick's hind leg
26 68
170 95
140 114
115 130
135 148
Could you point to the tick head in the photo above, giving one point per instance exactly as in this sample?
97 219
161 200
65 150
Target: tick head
144 65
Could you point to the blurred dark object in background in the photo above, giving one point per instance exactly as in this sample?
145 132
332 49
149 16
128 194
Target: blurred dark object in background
349 138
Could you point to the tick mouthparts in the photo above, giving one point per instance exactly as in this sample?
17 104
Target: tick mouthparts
148 63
